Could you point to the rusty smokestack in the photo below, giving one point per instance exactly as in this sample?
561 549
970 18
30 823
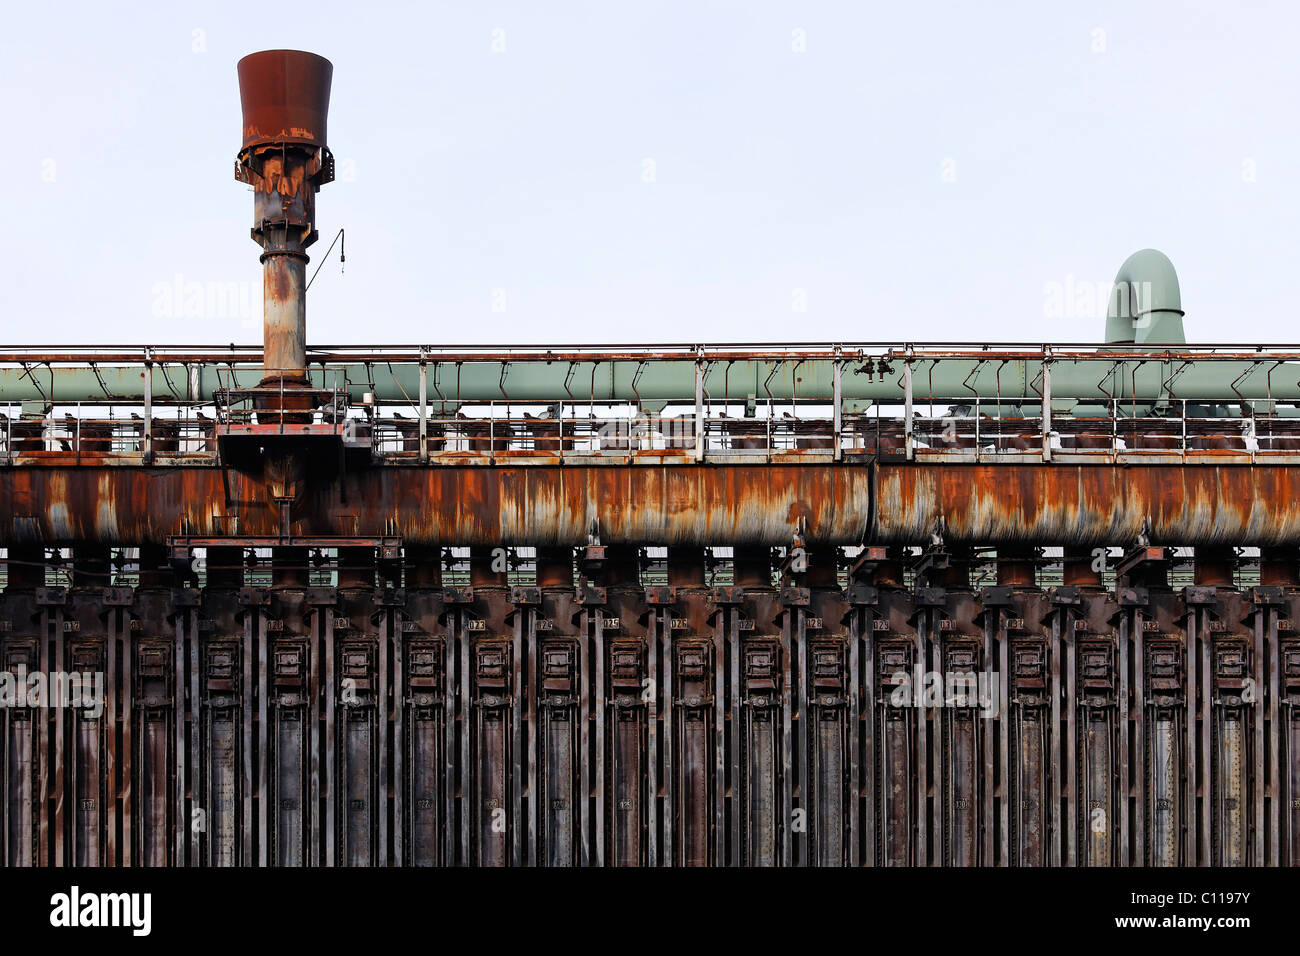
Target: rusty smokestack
285 96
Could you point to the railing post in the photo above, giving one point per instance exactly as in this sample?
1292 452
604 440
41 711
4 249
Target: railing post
1183 426
424 407
699 410
1047 409
907 410
837 398
147 439
1114 429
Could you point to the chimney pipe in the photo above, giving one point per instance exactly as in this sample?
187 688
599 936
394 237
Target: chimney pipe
285 96
1146 306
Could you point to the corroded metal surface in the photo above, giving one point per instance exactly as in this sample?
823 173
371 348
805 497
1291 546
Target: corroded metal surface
1081 505
470 506
1089 505
367 725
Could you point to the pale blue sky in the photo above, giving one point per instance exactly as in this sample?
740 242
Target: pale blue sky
781 178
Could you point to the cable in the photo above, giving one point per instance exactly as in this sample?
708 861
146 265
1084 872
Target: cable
342 257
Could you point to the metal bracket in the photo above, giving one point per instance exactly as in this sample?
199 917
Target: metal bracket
322 597
867 560
1140 556
795 597
186 597
1194 595
997 596
254 597
525 596
1133 597
589 596
118 597
863 594
1268 596
1066 596
390 597
660 595
458 596
931 597
51 597
727 594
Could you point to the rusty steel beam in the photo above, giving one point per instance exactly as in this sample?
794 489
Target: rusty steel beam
487 507
1088 504
681 505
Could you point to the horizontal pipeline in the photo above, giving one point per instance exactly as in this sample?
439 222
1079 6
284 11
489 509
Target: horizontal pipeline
709 504
863 379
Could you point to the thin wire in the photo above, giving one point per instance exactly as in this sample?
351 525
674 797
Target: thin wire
342 257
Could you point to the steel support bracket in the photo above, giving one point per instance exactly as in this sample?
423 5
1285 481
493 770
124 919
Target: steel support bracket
1133 597
931 597
661 595
867 560
1065 596
727 594
458 596
119 597
1139 556
795 597
1268 596
186 597
321 597
254 597
51 597
1198 596
863 595
589 596
525 596
997 596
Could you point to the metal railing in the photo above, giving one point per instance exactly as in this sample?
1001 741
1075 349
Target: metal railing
89 432
278 408
929 428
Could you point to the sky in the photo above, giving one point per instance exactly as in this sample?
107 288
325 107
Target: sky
676 172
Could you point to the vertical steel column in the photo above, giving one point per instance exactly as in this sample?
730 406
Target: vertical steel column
1140 757
147 427
669 783
1047 410
424 407
450 697
599 664
328 688
266 790
246 705
534 793
699 410
654 652
118 621
789 632
523 624
720 739
908 416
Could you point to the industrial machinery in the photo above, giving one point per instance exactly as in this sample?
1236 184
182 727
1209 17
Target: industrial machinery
843 604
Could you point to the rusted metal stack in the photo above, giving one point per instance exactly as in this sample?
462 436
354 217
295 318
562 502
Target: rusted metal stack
349 620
